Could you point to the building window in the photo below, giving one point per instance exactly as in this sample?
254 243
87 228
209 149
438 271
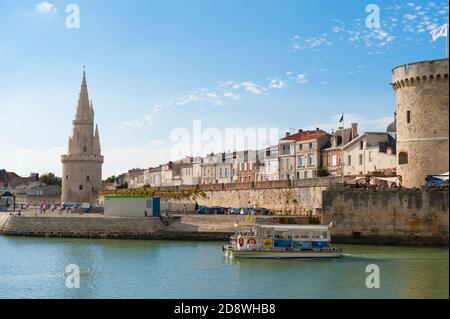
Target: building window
67 176
84 148
310 160
298 175
310 146
370 157
80 187
361 145
408 117
349 160
403 158
305 175
87 178
360 159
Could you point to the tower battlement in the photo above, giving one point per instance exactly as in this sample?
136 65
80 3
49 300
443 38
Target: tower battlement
419 72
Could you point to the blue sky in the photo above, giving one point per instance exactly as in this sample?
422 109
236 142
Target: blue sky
154 66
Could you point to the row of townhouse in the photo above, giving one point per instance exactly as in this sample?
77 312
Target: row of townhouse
301 155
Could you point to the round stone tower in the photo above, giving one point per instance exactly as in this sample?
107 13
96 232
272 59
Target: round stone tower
422 120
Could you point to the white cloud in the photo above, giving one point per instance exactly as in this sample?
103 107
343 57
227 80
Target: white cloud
253 88
301 79
45 8
277 84
409 17
231 95
312 43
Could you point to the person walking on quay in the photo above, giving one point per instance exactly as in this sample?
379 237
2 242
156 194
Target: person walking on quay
184 209
41 208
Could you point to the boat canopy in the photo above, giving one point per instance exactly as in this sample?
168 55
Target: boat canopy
296 227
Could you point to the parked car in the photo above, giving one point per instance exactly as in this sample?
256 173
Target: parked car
71 205
218 210
203 210
262 212
234 211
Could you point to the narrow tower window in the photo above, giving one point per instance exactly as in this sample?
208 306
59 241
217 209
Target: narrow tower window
85 148
403 158
408 117
87 178
81 187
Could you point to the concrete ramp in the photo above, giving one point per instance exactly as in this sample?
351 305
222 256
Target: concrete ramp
3 219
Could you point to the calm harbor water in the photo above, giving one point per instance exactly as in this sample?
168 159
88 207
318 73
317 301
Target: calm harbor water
34 268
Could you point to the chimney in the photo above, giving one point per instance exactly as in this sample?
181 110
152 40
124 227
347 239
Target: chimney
300 130
317 129
288 134
354 130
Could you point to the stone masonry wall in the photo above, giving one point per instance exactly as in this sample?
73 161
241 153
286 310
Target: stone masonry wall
81 227
290 197
293 200
407 217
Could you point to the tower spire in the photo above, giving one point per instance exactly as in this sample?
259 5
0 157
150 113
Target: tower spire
84 113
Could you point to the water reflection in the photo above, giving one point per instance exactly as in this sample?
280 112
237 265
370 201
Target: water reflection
34 268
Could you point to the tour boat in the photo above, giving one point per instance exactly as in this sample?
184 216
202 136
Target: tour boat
281 241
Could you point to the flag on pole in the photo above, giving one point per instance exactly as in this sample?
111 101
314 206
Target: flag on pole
441 31
342 119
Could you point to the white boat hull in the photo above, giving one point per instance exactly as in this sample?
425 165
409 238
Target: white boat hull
283 254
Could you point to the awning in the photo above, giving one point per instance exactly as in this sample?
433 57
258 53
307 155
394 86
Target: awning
388 179
356 180
442 177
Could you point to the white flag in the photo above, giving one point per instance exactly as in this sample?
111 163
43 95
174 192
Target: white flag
440 32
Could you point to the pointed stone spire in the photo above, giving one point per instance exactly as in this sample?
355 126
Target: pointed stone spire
96 145
84 113
92 109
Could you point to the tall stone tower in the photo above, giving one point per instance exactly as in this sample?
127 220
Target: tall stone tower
422 120
82 166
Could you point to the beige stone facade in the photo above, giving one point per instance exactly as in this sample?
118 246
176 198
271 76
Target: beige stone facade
82 166
369 153
422 120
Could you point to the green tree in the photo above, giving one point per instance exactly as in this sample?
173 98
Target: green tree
111 179
321 172
50 179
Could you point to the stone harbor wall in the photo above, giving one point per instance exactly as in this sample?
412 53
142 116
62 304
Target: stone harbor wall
365 216
388 216
81 226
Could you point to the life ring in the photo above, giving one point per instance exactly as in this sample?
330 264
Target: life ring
251 241
267 243
241 242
